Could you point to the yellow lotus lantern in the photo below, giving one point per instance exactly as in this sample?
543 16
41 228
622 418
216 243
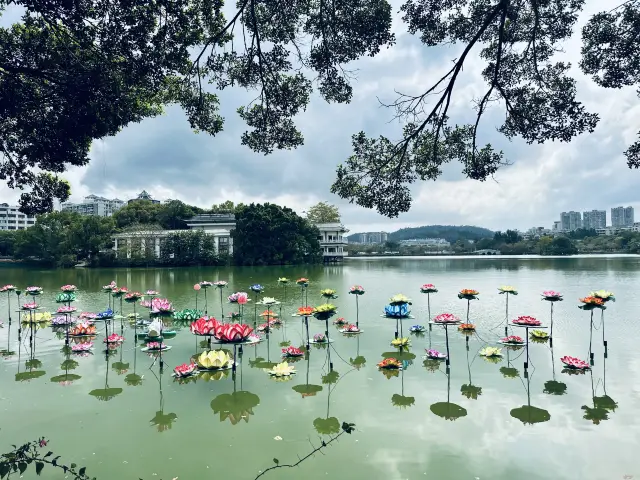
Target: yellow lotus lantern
214 359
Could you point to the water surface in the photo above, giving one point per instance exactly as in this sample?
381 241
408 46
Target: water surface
474 423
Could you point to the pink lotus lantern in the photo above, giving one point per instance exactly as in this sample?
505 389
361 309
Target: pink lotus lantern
204 326
573 362
233 332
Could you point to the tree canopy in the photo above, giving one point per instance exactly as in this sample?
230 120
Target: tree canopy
267 234
323 212
170 216
73 72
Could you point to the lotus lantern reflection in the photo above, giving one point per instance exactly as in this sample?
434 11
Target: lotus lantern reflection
292 351
233 332
282 370
340 321
184 370
83 329
214 359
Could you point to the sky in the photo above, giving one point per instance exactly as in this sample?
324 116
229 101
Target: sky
164 157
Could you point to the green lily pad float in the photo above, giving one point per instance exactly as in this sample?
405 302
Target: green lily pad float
133 380
327 426
307 390
431 364
106 394
120 367
596 415
471 391
448 410
26 376
402 401
528 414
65 378
509 372
552 387
163 421
330 378
403 356
285 344
358 362
605 402
235 406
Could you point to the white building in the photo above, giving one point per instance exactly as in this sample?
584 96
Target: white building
570 221
370 238
12 219
94 205
218 225
332 241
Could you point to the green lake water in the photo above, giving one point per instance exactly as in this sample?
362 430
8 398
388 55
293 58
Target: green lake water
582 427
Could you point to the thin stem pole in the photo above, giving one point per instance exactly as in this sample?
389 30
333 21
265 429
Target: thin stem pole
357 313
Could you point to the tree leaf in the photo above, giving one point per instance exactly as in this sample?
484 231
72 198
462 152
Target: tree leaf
39 467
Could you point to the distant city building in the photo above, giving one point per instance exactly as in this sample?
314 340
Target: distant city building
556 226
570 221
594 219
12 219
144 196
370 238
94 205
622 217
438 242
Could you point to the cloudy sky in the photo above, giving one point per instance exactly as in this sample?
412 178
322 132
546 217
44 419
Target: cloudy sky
164 157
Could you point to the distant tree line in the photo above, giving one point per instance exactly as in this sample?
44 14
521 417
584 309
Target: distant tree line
266 234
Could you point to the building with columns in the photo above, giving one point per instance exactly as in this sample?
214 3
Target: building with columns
332 241
218 225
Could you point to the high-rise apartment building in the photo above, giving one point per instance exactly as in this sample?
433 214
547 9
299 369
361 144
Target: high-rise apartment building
94 205
570 221
622 217
370 238
594 219
12 219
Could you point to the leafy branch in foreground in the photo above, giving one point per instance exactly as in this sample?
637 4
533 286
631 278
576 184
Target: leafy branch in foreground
517 41
346 428
21 458
101 65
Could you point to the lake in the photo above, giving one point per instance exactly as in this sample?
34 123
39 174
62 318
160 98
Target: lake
474 423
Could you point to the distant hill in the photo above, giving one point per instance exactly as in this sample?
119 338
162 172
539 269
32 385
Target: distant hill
451 233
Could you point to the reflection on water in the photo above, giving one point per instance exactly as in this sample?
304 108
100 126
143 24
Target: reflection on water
545 406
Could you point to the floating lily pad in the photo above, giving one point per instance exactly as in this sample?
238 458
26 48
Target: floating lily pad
528 414
70 377
448 410
235 406
509 372
402 401
327 426
307 390
471 391
553 387
105 394
26 376
133 380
